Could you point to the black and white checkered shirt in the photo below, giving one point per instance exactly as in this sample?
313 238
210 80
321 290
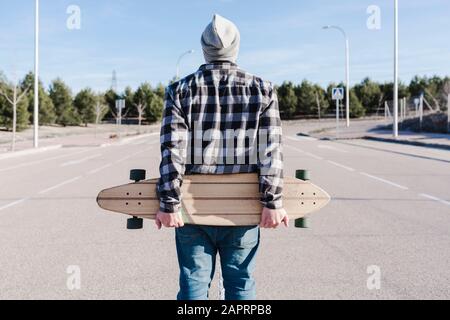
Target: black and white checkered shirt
220 120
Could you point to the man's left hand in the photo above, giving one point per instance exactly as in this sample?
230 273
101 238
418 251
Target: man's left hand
169 220
271 219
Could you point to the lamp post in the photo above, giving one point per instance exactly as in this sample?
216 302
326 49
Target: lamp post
347 70
395 133
179 61
36 78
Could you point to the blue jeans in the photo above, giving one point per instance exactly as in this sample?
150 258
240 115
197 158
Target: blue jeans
197 248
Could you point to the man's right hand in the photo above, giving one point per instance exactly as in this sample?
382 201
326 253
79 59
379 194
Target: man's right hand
168 220
271 219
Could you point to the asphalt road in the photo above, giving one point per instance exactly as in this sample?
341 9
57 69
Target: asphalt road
390 213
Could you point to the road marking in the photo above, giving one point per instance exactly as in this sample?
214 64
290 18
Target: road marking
139 143
385 181
322 146
341 166
100 169
43 160
301 138
304 152
74 162
60 185
130 156
312 155
150 143
295 148
424 195
123 159
12 204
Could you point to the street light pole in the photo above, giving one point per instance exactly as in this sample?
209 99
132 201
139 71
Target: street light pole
179 61
36 78
395 69
347 80
347 70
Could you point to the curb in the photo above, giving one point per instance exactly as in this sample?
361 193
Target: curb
29 152
411 143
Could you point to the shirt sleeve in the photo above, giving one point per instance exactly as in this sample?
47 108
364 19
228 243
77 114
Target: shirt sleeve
174 131
270 153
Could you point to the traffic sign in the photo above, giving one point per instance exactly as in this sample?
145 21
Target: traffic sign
338 93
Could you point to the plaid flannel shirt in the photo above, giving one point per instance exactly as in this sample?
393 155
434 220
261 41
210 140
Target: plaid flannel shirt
220 120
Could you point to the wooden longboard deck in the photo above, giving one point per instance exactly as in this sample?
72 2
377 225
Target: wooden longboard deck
215 200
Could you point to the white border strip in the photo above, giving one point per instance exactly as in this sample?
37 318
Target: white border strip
60 185
424 195
385 181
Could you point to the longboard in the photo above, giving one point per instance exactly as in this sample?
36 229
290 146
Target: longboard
213 200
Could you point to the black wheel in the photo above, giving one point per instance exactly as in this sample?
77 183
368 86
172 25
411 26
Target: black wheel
137 175
135 223
302 175
301 223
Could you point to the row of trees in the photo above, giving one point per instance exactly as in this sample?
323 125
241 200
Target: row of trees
58 105
366 98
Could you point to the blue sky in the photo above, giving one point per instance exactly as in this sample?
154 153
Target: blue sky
281 40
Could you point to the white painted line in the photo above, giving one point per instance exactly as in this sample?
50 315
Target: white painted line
322 146
60 185
100 169
43 160
139 143
138 137
123 159
12 204
435 198
341 166
295 148
128 140
301 138
16 154
385 181
74 162
304 152
312 155
130 156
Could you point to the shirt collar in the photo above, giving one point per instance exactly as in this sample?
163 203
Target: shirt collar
219 65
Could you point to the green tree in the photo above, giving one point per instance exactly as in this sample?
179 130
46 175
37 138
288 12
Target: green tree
306 98
6 107
388 91
61 96
47 115
130 110
154 111
110 99
287 100
85 103
322 104
142 101
357 110
445 92
370 95
160 91
100 110
432 88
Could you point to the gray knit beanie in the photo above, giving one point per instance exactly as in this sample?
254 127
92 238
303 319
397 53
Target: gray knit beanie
221 40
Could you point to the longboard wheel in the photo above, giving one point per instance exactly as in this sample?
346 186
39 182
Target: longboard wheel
303 175
301 223
137 175
135 223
